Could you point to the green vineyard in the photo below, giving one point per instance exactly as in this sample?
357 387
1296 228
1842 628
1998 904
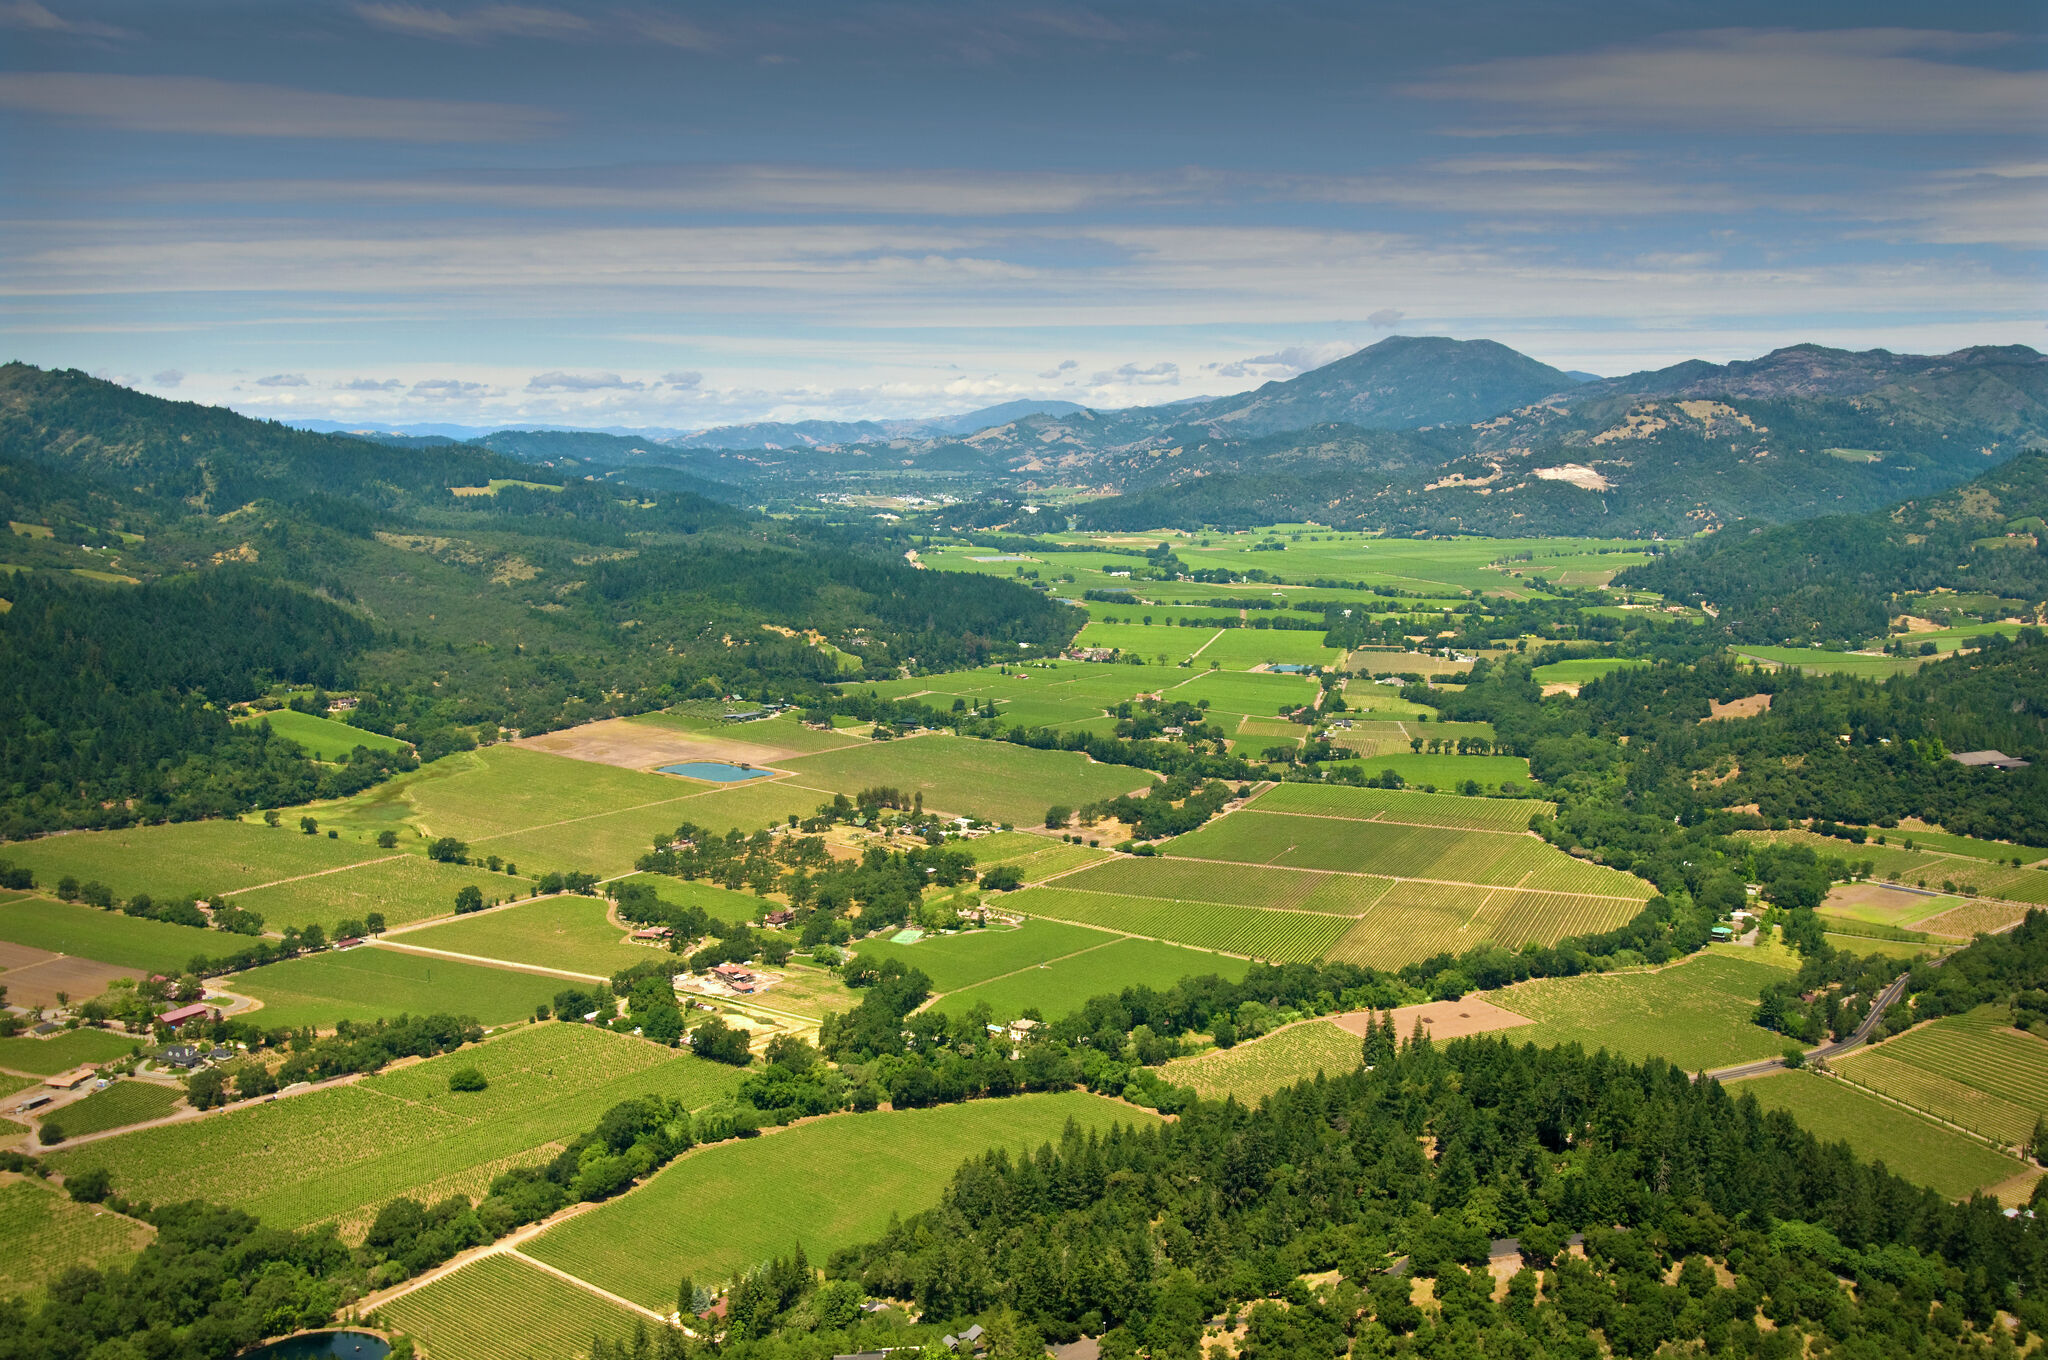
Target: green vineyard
502 1308
1281 936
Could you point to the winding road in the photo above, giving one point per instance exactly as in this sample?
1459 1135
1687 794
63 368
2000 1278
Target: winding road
1895 989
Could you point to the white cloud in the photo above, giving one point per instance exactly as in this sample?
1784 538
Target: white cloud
1870 80
1285 363
170 377
369 385
581 382
232 109
283 380
1061 369
448 389
683 381
1163 374
473 25
1386 318
27 14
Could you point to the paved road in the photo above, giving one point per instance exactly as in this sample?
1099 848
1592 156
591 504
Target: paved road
1885 999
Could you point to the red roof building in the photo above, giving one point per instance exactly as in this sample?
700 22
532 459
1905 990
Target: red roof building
196 1011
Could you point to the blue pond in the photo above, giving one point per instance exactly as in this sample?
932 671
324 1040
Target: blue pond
1289 669
715 771
322 1345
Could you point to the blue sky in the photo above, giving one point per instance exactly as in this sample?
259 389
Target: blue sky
673 215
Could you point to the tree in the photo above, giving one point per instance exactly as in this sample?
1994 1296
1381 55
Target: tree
720 1042
374 923
270 817
206 1088
89 1186
387 839
350 929
1057 816
448 850
468 898
467 1079
1001 878
2037 1146
309 825
312 938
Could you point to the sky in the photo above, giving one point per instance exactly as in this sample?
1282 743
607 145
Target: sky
673 216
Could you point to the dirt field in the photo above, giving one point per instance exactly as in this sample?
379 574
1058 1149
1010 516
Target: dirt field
641 746
1878 895
37 984
13 956
1443 1019
1738 708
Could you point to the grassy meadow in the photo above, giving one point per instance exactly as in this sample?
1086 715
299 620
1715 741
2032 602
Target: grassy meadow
1918 1149
375 983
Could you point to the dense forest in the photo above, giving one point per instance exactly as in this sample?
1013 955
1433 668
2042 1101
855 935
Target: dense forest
1840 580
267 556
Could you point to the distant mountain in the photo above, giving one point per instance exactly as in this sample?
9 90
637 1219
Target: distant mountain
770 434
1402 383
1817 371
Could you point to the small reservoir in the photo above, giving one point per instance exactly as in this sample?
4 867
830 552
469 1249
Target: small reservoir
715 771
323 1346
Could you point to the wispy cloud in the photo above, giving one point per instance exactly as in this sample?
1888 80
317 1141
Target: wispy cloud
1870 80
581 382
27 14
477 23
283 380
170 377
195 104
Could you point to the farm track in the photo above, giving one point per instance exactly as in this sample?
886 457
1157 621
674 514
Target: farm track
505 964
318 873
188 1116
937 997
1439 882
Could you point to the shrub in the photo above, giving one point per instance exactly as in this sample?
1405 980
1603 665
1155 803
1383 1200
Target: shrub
467 1079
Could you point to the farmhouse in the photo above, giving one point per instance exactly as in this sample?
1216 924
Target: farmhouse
778 918
648 934
1091 653
352 942
1993 760
195 1011
733 975
181 1056
72 1080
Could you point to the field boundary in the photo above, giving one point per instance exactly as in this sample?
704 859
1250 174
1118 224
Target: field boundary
1929 1115
1439 882
1381 819
317 873
506 964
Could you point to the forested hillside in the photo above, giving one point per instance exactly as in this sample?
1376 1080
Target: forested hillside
1843 578
170 559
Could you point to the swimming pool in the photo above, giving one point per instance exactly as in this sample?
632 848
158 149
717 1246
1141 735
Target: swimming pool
716 771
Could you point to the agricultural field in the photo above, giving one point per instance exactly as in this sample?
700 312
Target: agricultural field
1974 1070
1159 645
1185 880
1944 843
1262 1066
1256 696
1415 921
374 983
337 1153
566 932
404 888
1404 807
323 738
1443 566
1581 670
500 1307
721 903
121 1104
726 1208
1870 666
1918 867
185 859
1919 1149
1697 1014
784 733
47 1233
971 956
1064 985
1447 772
62 1052
1033 857
1278 936
1240 649
988 779
108 936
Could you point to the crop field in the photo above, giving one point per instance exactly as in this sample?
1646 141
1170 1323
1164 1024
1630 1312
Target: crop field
1190 881
1033 857
1280 936
567 932
1160 644
403 887
1973 1070
1264 1065
502 1308
340 1152
109 936
783 732
62 1052
124 1102
989 779
374 983
47 1233
1257 696
1877 1130
1240 649
1975 847
1395 805
1252 836
1967 874
612 843
1819 662
1448 772
971 956
323 738
726 1208
1965 921
1446 566
1415 921
722 903
1384 704
1697 1014
1061 986
1581 670
184 859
